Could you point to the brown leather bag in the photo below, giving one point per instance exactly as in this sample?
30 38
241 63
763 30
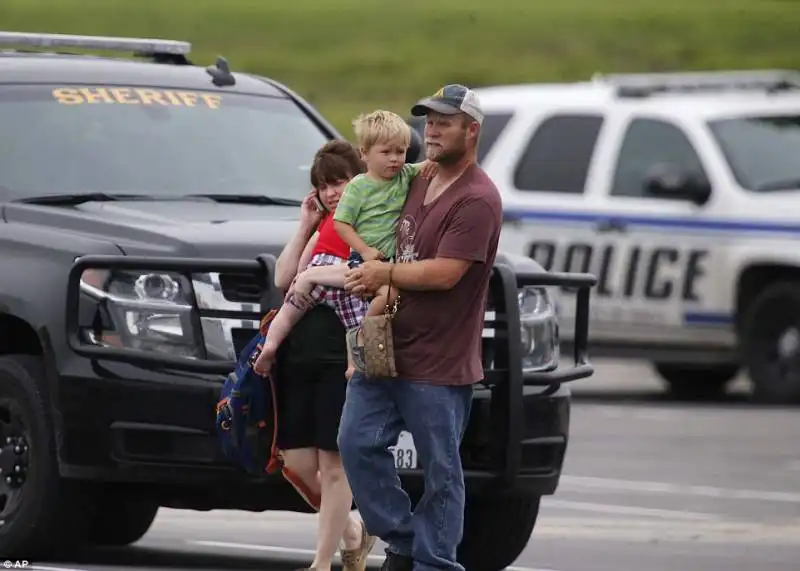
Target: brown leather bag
372 343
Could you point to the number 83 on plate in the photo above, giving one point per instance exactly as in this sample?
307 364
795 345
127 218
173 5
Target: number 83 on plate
405 452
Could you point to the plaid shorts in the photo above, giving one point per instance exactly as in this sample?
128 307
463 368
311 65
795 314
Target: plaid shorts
350 308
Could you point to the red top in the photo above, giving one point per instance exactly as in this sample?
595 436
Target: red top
329 242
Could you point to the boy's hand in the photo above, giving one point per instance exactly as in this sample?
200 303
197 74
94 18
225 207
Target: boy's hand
429 169
372 254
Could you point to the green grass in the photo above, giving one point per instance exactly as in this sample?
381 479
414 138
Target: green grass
348 56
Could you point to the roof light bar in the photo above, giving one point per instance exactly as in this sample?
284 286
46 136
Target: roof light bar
94 42
647 83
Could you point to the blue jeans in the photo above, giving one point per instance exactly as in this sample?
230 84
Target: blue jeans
374 413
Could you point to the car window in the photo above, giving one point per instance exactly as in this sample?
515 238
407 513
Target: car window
763 152
493 125
557 157
64 139
646 144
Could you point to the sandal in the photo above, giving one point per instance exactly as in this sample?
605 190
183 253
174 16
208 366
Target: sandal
356 559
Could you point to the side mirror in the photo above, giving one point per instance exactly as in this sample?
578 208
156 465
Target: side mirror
414 152
668 180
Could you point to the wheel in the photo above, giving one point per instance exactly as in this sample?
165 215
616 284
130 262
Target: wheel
696 381
497 527
39 510
121 521
769 337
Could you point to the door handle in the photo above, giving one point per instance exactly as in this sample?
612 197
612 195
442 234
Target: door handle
612 225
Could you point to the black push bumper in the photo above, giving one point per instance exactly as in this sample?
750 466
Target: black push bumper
518 428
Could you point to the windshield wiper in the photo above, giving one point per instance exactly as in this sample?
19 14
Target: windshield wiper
76 198
785 184
248 199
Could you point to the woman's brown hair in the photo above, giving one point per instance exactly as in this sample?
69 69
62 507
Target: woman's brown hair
335 161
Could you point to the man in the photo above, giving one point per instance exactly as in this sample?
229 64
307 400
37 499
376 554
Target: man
446 244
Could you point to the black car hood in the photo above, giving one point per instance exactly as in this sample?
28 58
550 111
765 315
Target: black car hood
192 228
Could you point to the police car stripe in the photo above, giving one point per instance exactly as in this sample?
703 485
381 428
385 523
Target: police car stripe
676 222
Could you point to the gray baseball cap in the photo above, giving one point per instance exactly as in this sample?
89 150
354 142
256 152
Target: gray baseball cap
449 100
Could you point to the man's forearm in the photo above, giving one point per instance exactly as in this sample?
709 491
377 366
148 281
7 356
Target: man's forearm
435 274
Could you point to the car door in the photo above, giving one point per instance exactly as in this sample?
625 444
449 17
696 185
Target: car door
544 165
668 260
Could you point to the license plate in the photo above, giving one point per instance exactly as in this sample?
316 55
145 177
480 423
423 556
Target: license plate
405 453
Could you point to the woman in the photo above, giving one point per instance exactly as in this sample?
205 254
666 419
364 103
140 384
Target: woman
311 373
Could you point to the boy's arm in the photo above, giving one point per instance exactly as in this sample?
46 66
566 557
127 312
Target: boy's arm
348 234
427 169
346 215
413 168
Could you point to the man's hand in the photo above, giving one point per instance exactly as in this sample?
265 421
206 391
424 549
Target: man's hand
367 278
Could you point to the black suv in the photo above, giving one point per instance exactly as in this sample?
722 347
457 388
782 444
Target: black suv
143 203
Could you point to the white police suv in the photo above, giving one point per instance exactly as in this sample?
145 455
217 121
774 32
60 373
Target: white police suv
681 193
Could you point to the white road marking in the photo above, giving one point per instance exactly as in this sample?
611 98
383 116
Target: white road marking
274 549
638 530
629 510
46 568
577 482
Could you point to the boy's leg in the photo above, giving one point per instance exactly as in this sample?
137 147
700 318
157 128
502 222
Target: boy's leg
378 304
287 317
436 416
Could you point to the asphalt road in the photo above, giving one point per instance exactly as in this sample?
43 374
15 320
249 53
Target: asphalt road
648 485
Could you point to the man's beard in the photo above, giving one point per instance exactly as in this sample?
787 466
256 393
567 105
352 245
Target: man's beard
453 155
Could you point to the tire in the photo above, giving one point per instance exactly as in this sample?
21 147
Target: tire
771 322
690 382
42 516
121 521
497 527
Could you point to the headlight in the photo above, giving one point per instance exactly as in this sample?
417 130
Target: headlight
539 329
141 310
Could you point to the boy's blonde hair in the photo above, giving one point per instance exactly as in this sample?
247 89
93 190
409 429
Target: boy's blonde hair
381 127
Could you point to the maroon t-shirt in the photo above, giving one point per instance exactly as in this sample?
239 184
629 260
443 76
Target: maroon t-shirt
437 334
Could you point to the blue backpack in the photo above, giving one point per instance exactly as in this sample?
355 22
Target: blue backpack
247 412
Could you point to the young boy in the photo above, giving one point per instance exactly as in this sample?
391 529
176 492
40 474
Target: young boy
368 211
365 218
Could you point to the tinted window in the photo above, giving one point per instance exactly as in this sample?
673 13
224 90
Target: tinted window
493 125
646 144
152 141
763 152
558 155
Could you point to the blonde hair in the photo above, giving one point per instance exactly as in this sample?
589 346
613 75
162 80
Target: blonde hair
380 127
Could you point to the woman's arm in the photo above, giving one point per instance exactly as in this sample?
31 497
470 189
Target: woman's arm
305 257
301 244
287 263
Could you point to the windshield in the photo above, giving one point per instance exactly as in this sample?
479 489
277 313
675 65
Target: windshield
763 152
165 142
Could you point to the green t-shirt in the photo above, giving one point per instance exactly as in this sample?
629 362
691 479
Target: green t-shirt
372 207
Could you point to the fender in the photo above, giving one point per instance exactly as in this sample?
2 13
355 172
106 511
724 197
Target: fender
779 253
37 261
